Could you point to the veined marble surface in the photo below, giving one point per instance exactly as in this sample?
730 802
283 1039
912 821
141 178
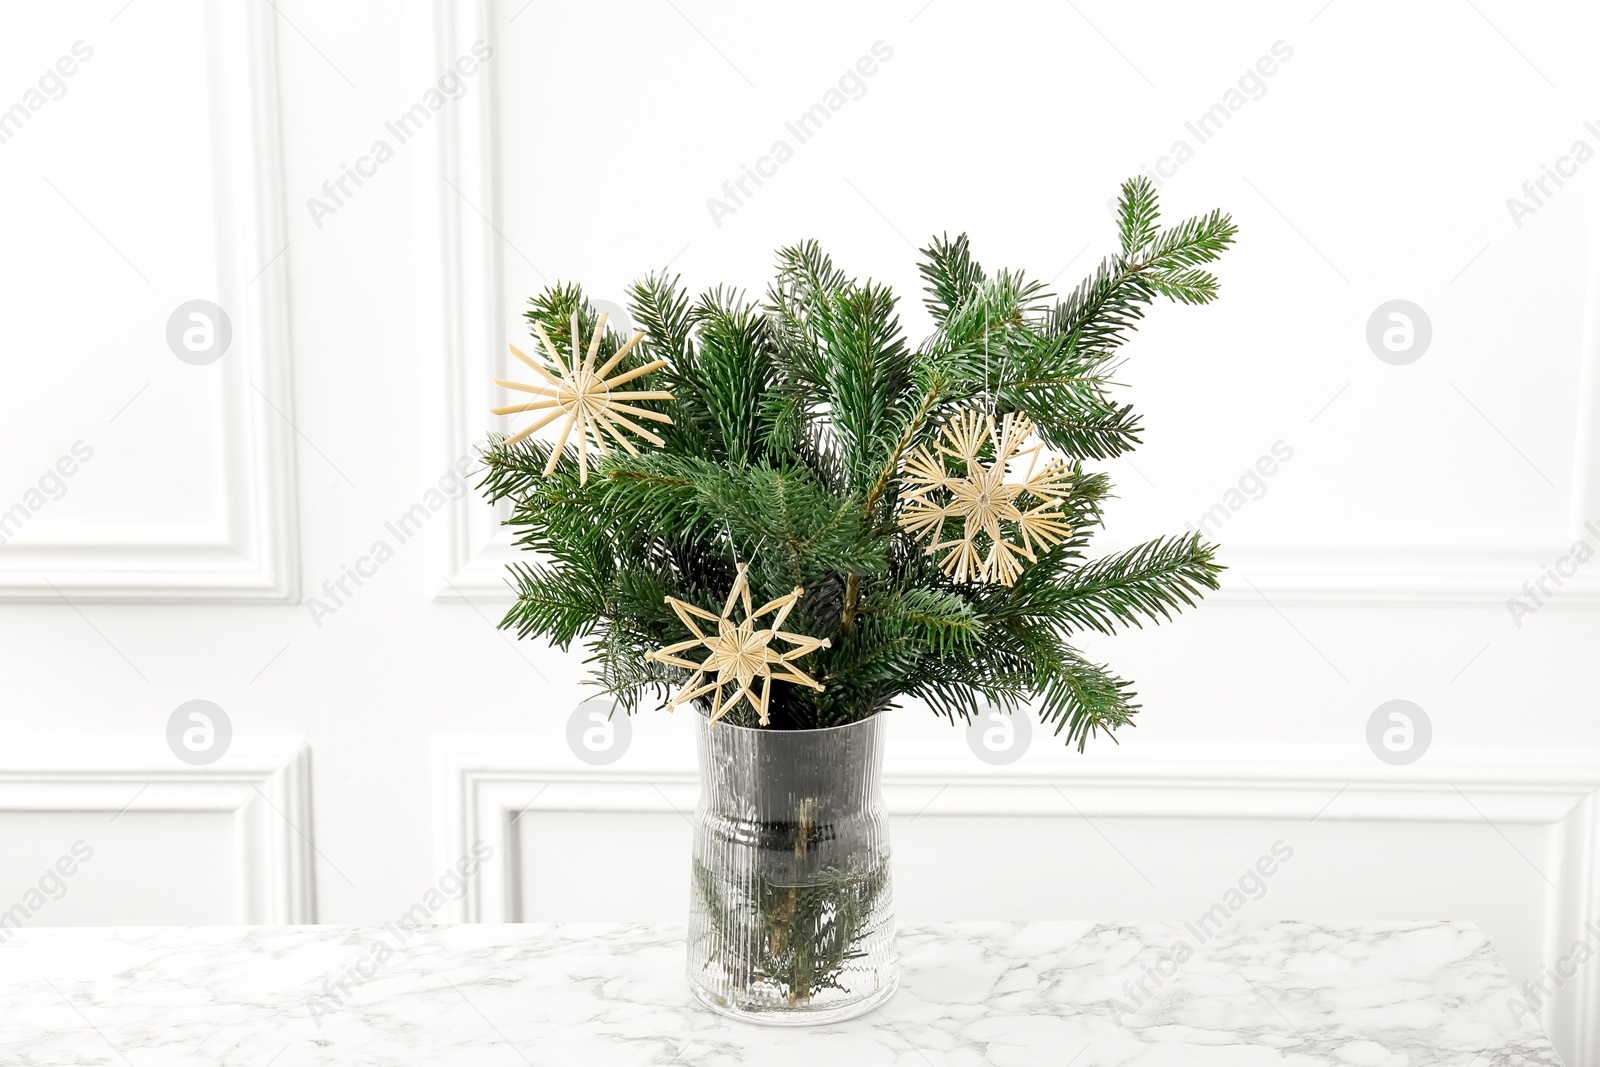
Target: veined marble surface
1060 993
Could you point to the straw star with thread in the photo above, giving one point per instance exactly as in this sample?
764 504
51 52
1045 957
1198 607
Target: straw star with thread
740 652
982 498
590 403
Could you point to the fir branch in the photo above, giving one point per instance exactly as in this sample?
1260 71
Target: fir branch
940 620
1191 243
915 424
1137 215
792 422
1083 699
787 509
733 373
952 275
1102 311
561 603
866 367
1149 581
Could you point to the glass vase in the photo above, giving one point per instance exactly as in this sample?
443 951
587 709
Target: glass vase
790 916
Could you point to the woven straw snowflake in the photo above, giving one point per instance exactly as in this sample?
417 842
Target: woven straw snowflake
1015 519
740 652
590 402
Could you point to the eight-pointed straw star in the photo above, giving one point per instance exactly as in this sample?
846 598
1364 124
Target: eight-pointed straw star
740 652
982 498
592 405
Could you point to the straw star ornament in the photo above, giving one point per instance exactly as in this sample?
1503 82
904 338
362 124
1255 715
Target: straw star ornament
979 496
590 403
740 652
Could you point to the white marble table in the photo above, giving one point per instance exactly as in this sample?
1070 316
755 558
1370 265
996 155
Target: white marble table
1058 993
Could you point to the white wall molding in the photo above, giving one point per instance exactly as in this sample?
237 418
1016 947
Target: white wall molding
459 295
481 782
263 783
249 552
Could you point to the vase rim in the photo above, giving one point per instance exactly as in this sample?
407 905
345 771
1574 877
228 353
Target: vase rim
724 724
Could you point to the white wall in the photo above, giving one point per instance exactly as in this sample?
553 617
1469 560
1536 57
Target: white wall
1375 165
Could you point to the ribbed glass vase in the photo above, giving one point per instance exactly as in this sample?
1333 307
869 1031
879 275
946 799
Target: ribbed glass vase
791 920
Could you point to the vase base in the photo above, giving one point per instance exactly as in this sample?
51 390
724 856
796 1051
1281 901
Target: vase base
797 1016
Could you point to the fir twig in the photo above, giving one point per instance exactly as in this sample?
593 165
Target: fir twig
792 423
